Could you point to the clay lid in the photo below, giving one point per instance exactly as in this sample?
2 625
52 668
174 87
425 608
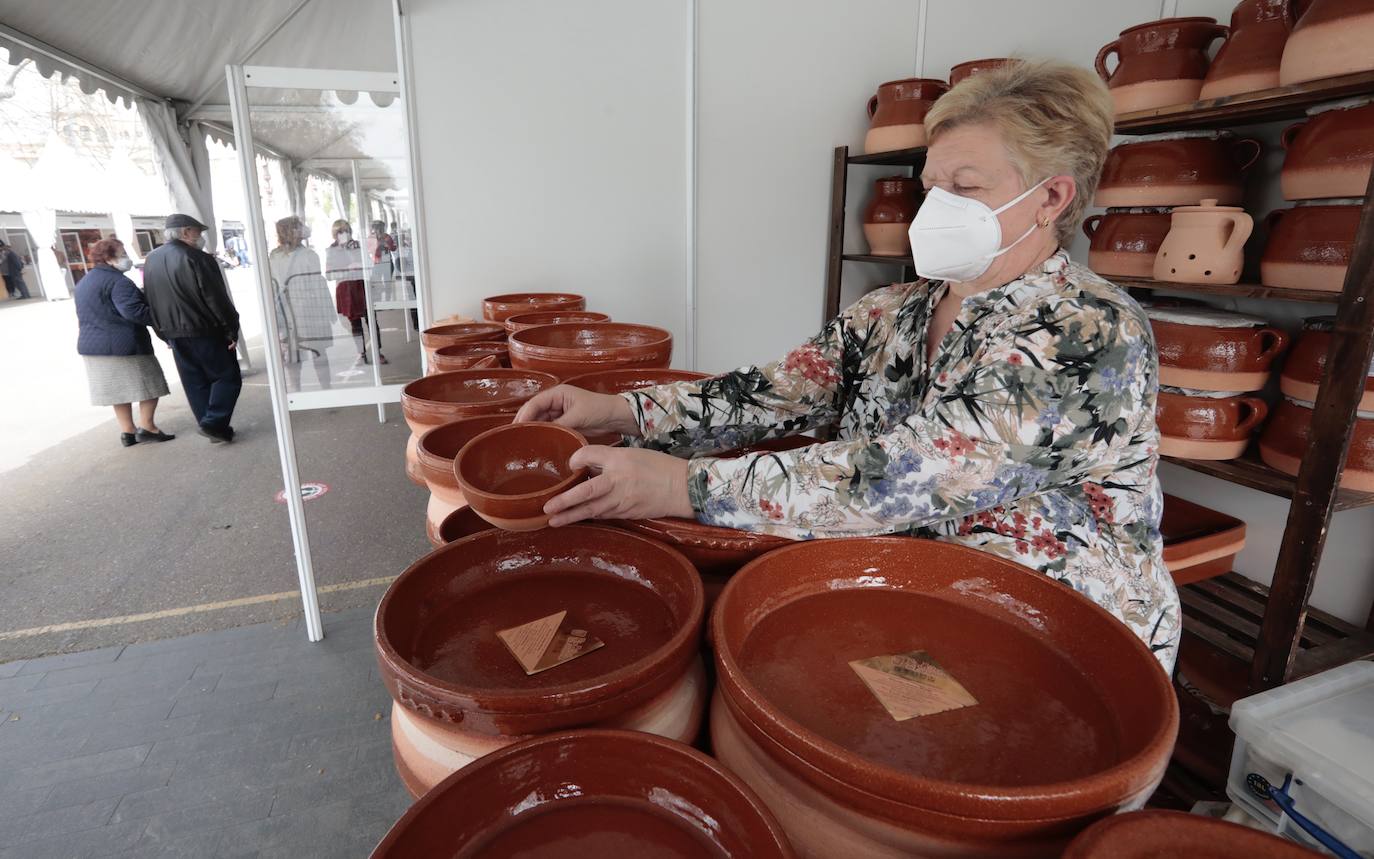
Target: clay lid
613 794
1203 134
1205 316
1156 833
1210 395
1209 205
1328 201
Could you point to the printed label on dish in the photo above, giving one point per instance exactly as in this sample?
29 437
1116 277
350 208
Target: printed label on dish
541 644
911 684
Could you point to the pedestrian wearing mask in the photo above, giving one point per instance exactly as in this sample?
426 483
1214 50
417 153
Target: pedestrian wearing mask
112 319
192 311
343 264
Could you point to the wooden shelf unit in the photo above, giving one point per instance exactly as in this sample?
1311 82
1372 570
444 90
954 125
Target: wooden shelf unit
1250 471
1234 290
1249 108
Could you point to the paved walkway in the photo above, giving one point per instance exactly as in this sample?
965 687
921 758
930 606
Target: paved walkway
247 742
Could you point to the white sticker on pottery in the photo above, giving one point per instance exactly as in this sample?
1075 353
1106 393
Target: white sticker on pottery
548 641
1210 395
1207 316
911 684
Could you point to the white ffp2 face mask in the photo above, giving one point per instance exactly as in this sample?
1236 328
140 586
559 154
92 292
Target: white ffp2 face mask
123 263
957 238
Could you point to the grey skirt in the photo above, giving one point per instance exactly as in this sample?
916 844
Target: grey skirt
116 379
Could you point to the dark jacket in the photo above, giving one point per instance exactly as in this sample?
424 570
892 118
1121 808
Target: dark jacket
10 263
111 316
187 295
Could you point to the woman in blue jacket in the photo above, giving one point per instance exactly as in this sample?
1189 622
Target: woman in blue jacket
113 340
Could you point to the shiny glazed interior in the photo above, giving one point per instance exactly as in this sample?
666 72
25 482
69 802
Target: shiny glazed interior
583 337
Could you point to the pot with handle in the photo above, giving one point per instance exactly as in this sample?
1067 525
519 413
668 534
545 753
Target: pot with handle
1159 63
1197 426
1330 153
1249 59
1123 242
897 113
1331 37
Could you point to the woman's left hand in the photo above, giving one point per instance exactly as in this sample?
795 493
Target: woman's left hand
626 483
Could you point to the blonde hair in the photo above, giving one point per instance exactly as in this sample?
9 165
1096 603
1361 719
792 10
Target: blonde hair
1055 118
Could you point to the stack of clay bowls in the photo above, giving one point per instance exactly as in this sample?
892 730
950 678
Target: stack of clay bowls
897 114
889 213
1249 58
612 794
469 356
1033 712
969 68
1209 361
1157 833
459 691
436 449
572 349
1159 63
1205 244
521 321
497 308
465 332
445 397
1331 38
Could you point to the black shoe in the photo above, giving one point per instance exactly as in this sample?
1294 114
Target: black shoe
128 439
149 435
216 436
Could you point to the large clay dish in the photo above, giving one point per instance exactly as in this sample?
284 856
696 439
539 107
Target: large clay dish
1075 717
521 577
636 795
521 321
574 349
1155 834
1199 542
466 356
498 308
446 397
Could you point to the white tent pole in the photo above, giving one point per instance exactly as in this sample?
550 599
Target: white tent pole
276 380
367 298
419 242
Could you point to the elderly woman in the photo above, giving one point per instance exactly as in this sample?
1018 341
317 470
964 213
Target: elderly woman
1005 401
112 338
343 264
305 315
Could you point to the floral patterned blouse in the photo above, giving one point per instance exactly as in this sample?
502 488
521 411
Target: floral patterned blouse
1030 435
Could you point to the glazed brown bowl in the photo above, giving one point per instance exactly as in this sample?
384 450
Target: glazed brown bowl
463 522
551 317
1197 427
439 446
508 473
1123 242
498 308
636 795
1156 833
574 349
1305 366
436 627
446 397
1002 777
1287 438
1310 246
1329 154
632 379
1177 169
1207 350
468 356
463 332
969 68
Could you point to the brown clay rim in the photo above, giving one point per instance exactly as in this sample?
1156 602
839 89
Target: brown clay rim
517 321
680 648
475 332
1193 19
627 336
470 491
476 347
533 297
1156 832
602 745
942 83
434 441
419 392
838 771
623 379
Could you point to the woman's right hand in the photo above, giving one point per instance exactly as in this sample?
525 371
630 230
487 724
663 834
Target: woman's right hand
582 410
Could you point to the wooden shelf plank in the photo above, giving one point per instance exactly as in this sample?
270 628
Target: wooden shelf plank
880 259
1250 472
1237 290
896 158
1287 102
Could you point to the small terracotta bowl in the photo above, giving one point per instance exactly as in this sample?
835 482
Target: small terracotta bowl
463 332
1154 833
551 317
507 474
436 449
576 348
498 308
619 794
466 356
463 522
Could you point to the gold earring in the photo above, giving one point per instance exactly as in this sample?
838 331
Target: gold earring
1042 222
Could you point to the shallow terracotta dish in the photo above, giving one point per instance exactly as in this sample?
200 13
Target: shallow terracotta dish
969 68
436 449
1123 242
1306 364
636 796
1214 350
1159 63
1329 154
577 348
451 335
1199 542
459 693
551 317
1157 833
461 523
897 114
1310 245
1249 59
1288 437
498 308
1331 38
1201 426
1073 718
507 474
1176 169
467 356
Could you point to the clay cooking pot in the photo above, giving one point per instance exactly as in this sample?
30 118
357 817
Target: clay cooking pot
1330 153
1305 367
1156 833
1176 169
467 356
1123 242
552 317
969 68
1159 63
573 349
889 214
436 449
1288 438
1332 37
1213 350
509 472
1206 244
1249 58
897 113
637 796
1309 245
497 308
994 776
1201 427
459 693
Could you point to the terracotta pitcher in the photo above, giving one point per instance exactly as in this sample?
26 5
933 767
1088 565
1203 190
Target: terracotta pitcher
1123 242
1249 59
897 112
1177 169
969 68
1205 244
1332 37
1309 245
1159 63
1330 153
889 214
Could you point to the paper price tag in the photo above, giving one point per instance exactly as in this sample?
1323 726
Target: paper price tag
911 684
547 642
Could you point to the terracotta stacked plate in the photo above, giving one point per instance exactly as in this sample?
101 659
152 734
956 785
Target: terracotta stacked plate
498 308
521 321
460 693
468 356
1040 711
573 349
464 332
624 381
436 450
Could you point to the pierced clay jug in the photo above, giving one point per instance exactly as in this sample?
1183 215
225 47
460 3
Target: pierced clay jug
1204 244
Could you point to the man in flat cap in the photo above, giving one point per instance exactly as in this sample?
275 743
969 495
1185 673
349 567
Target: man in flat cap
192 311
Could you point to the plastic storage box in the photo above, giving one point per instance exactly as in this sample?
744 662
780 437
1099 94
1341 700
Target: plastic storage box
1319 731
